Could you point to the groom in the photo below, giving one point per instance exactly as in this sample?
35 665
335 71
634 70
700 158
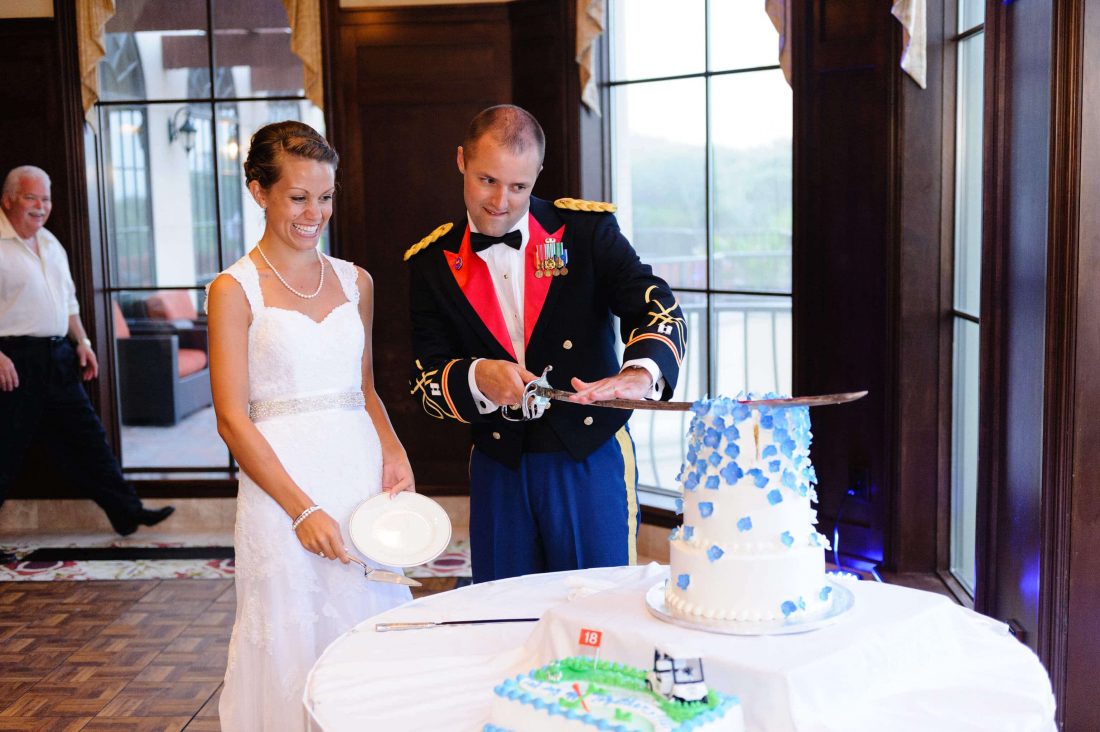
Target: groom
516 286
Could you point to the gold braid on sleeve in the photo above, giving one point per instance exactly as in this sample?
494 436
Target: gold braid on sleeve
578 204
426 241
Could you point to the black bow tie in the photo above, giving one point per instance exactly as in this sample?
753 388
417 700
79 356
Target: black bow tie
480 242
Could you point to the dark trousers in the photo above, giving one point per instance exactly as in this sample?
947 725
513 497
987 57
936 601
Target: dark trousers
50 405
554 513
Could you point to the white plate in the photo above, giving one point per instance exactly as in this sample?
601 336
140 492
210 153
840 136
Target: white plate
404 531
840 602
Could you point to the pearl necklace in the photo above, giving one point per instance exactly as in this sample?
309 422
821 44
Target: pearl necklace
302 295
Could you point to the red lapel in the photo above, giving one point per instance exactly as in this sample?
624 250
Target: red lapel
534 288
472 276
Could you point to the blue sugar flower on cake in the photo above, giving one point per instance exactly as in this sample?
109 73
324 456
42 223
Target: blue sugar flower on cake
715 459
774 496
769 451
706 508
714 552
786 538
691 481
674 534
731 473
825 592
788 479
712 437
679 505
683 581
779 418
732 450
766 421
700 408
689 531
758 478
744 524
787 608
713 482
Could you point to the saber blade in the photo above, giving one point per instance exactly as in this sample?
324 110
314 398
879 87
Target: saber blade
806 401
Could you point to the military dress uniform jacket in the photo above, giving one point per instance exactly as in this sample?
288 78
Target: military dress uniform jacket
568 325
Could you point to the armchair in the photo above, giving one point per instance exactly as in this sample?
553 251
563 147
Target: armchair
162 369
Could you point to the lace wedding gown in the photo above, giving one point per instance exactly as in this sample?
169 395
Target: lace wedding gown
290 603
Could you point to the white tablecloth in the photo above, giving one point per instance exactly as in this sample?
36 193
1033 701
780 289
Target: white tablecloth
899 660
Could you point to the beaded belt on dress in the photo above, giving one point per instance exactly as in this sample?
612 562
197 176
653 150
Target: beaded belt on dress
259 411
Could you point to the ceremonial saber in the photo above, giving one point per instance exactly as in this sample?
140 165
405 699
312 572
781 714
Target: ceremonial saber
653 405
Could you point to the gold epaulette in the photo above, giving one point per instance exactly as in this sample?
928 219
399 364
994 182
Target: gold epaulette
423 243
577 204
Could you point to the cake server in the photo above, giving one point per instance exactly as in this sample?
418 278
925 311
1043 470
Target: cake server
381 575
386 627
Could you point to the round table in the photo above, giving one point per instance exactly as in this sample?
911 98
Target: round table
899 660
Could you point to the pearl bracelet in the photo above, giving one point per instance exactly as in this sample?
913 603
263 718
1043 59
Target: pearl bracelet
303 516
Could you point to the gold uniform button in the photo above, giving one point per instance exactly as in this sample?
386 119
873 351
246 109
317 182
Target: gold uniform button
588 420
496 435
567 345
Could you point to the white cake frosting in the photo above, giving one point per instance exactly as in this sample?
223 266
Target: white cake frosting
748 549
615 698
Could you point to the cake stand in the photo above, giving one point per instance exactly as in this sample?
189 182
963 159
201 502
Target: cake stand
840 602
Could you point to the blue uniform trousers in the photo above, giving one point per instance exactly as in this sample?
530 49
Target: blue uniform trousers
554 513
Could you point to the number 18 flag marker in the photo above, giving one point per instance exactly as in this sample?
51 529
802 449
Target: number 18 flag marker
593 639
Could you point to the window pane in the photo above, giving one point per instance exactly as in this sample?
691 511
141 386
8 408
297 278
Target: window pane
660 175
129 195
164 381
751 344
652 38
242 219
252 40
741 36
155 220
971 13
151 46
964 452
968 177
751 131
659 436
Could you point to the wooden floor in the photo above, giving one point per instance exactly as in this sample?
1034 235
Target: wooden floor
125 655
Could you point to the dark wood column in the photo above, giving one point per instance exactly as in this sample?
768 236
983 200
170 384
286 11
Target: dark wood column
844 267
404 83
1069 601
43 125
1016 217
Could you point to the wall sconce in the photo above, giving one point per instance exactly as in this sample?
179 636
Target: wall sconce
186 130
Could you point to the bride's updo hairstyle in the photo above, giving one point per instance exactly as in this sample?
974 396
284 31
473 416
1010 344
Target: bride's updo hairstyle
271 142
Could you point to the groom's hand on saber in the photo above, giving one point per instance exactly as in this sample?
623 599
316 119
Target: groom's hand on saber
502 381
630 383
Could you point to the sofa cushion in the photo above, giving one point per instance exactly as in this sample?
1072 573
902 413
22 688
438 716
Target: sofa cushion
171 305
190 361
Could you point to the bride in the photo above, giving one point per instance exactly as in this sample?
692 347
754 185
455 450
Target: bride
293 385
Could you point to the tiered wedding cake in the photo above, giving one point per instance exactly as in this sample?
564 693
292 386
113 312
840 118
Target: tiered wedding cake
748 549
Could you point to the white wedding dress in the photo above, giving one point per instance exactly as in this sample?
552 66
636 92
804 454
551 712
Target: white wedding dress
290 603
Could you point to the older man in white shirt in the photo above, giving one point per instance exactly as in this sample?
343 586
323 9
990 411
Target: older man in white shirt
45 354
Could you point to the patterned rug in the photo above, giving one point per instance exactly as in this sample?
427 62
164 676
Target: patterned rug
453 562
